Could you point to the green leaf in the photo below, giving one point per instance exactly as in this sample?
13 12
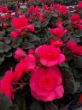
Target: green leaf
7 48
36 106
1 47
33 38
51 106
44 24
5 103
9 54
68 81
27 45
4 47
20 100
1 58
16 42
3 33
36 24
7 40
78 62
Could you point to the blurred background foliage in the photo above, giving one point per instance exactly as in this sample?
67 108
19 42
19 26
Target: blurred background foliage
64 2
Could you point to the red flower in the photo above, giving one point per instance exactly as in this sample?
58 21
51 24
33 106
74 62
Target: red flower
19 53
79 26
14 34
19 71
9 16
4 25
74 48
41 18
58 32
78 50
59 24
46 84
29 63
31 51
79 6
19 23
30 27
71 45
6 84
60 9
56 43
74 19
4 9
49 55
80 100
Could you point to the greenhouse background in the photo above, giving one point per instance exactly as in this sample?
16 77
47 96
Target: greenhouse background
64 2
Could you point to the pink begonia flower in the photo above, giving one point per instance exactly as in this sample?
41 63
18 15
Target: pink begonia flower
71 45
2 17
19 53
25 65
41 18
14 34
4 25
19 23
49 55
46 84
6 84
30 27
58 31
79 26
19 71
31 51
60 9
59 24
57 43
79 6
74 48
4 9
9 16
74 19
29 63
77 50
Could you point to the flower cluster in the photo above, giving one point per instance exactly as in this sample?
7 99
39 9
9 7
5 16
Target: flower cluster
45 78
20 24
44 43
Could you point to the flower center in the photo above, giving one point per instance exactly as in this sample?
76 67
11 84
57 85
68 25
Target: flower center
46 82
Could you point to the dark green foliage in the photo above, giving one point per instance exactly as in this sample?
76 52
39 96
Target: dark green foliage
5 103
36 106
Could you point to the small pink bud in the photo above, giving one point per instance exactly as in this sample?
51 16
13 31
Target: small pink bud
30 27
31 51
14 34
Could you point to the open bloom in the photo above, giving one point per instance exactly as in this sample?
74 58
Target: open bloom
79 6
59 24
19 71
60 9
46 84
58 31
19 23
30 27
57 43
49 55
29 63
70 45
79 26
74 48
74 19
14 34
42 18
6 84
